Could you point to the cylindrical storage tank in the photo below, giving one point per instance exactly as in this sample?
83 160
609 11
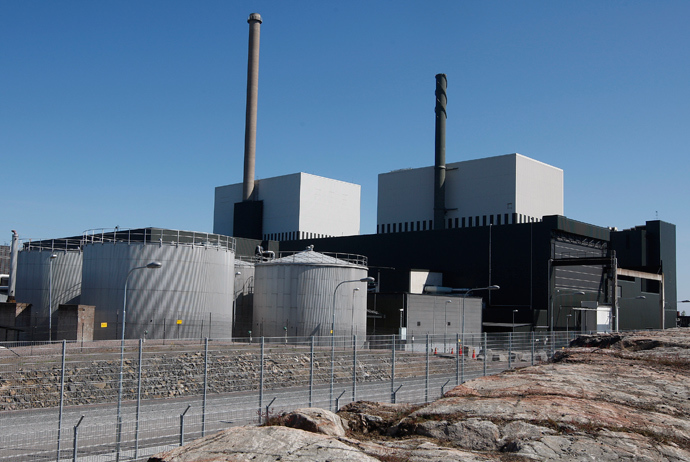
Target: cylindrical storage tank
244 298
34 284
189 296
295 295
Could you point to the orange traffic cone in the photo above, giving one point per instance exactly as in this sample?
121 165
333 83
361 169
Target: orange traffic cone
451 351
473 355
434 350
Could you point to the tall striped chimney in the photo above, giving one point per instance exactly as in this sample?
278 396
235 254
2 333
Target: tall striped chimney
252 98
440 154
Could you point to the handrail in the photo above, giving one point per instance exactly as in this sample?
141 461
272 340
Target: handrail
149 236
315 257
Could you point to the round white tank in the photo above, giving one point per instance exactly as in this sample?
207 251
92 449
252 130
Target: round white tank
190 296
295 295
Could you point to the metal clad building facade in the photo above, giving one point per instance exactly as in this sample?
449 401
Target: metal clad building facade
296 295
190 296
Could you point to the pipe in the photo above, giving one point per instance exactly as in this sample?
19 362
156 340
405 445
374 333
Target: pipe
14 250
252 98
440 154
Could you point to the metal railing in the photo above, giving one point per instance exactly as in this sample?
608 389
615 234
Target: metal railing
58 400
130 236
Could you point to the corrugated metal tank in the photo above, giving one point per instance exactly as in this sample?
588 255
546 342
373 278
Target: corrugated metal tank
244 297
33 280
190 296
295 294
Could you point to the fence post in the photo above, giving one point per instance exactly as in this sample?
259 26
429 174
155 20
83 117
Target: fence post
426 388
461 348
311 373
337 400
532 342
182 425
203 408
75 445
136 428
261 379
62 398
486 353
393 369
354 368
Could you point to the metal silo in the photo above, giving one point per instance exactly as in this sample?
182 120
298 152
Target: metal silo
243 298
190 296
45 268
295 295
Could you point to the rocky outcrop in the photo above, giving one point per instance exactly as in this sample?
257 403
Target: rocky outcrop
607 398
265 444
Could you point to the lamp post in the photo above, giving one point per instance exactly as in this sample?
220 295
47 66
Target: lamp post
367 280
462 341
151 265
352 320
618 299
551 324
50 297
514 311
445 326
234 301
567 318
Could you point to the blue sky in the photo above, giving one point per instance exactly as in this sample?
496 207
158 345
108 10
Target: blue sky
131 113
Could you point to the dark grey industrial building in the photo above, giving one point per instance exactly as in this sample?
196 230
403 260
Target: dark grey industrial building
545 269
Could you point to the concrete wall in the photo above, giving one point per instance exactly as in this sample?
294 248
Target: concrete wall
497 190
296 205
539 188
75 322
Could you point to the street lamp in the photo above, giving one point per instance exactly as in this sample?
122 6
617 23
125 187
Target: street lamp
367 280
514 311
152 265
551 324
567 318
352 320
618 299
50 297
445 328
462 341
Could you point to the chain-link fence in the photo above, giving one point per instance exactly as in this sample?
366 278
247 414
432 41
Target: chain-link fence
105 401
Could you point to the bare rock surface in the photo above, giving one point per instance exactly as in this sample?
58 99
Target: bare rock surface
315 420
623 397
264 444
